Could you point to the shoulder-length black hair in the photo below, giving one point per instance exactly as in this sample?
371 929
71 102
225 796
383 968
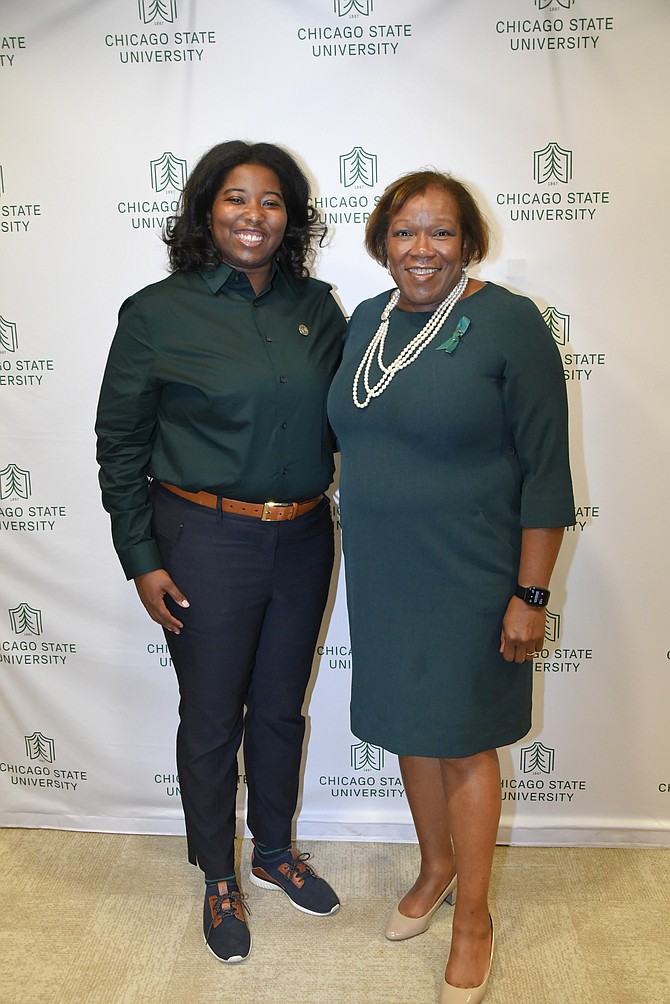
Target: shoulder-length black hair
187 234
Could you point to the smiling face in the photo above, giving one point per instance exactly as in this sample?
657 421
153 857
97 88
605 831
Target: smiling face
247 221
425 249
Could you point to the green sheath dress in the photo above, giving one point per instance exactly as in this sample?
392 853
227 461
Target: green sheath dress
439 474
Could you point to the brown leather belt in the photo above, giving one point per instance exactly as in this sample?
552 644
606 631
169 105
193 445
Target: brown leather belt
267 511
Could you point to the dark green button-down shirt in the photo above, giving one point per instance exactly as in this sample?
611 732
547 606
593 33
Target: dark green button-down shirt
211 387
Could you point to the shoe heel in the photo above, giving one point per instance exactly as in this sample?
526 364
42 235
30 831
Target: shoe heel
451 898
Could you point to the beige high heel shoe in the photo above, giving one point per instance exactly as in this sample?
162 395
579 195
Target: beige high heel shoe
467 995
400 928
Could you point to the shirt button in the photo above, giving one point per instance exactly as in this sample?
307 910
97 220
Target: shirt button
284 425
285 471
282 379
268 338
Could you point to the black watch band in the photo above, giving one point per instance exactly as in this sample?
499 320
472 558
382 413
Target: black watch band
533 595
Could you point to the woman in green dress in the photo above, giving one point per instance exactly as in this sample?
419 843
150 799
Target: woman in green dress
451 416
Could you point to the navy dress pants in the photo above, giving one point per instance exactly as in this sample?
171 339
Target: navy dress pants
257 592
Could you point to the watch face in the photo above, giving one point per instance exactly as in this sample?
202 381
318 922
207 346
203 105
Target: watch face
533 595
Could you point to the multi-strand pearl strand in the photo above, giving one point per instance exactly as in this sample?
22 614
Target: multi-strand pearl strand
410 352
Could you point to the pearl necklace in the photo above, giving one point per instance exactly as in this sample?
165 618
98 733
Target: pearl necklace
410 352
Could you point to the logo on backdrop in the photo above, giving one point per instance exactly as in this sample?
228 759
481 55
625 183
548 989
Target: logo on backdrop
160 650
584 517
171 782
168 175
160 46
358 167
552 163
337 656
15 218
555 34
552 627
9 339
366 755
19 372
158 10
358 170
558 324
15 485
368 781
579 366
552 201
353 39
565 661
538 763
40 751
26 624
168 172
354 7
537 758
9 46
40 747
25 620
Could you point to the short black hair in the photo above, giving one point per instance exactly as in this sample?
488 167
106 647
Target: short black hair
474 228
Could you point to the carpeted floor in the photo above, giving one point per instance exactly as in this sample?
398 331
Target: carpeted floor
116 919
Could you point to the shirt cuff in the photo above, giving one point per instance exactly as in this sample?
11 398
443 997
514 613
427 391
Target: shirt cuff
140 559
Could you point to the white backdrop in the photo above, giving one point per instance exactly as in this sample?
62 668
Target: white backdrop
554 111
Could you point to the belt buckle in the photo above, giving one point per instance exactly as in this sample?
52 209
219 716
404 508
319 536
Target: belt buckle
270 507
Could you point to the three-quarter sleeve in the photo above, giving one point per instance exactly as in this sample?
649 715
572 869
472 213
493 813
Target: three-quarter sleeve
537 412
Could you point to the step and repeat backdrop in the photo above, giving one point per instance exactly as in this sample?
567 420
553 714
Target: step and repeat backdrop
554 112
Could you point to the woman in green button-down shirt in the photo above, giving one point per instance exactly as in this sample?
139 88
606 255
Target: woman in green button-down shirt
212 411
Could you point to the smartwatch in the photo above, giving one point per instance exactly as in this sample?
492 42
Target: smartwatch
533 595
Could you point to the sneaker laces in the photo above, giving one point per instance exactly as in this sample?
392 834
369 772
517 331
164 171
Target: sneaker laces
300 867
234 898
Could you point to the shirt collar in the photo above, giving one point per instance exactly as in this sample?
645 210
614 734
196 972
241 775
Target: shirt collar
217 277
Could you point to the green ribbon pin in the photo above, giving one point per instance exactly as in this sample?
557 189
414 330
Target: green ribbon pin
451 344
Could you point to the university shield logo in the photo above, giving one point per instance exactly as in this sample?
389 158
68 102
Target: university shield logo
543 4
357 166
25 620
14 481
9 340
366 755
552 627
39 747
168 171
552 162
157 10
344 7
558 324
537 758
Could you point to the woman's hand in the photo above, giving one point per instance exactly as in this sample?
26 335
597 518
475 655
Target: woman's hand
152 588
522 631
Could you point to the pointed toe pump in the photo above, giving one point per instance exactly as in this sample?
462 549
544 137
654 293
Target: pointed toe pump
400 928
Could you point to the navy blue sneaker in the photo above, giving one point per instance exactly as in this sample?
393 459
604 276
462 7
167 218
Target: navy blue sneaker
224 924
292 875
